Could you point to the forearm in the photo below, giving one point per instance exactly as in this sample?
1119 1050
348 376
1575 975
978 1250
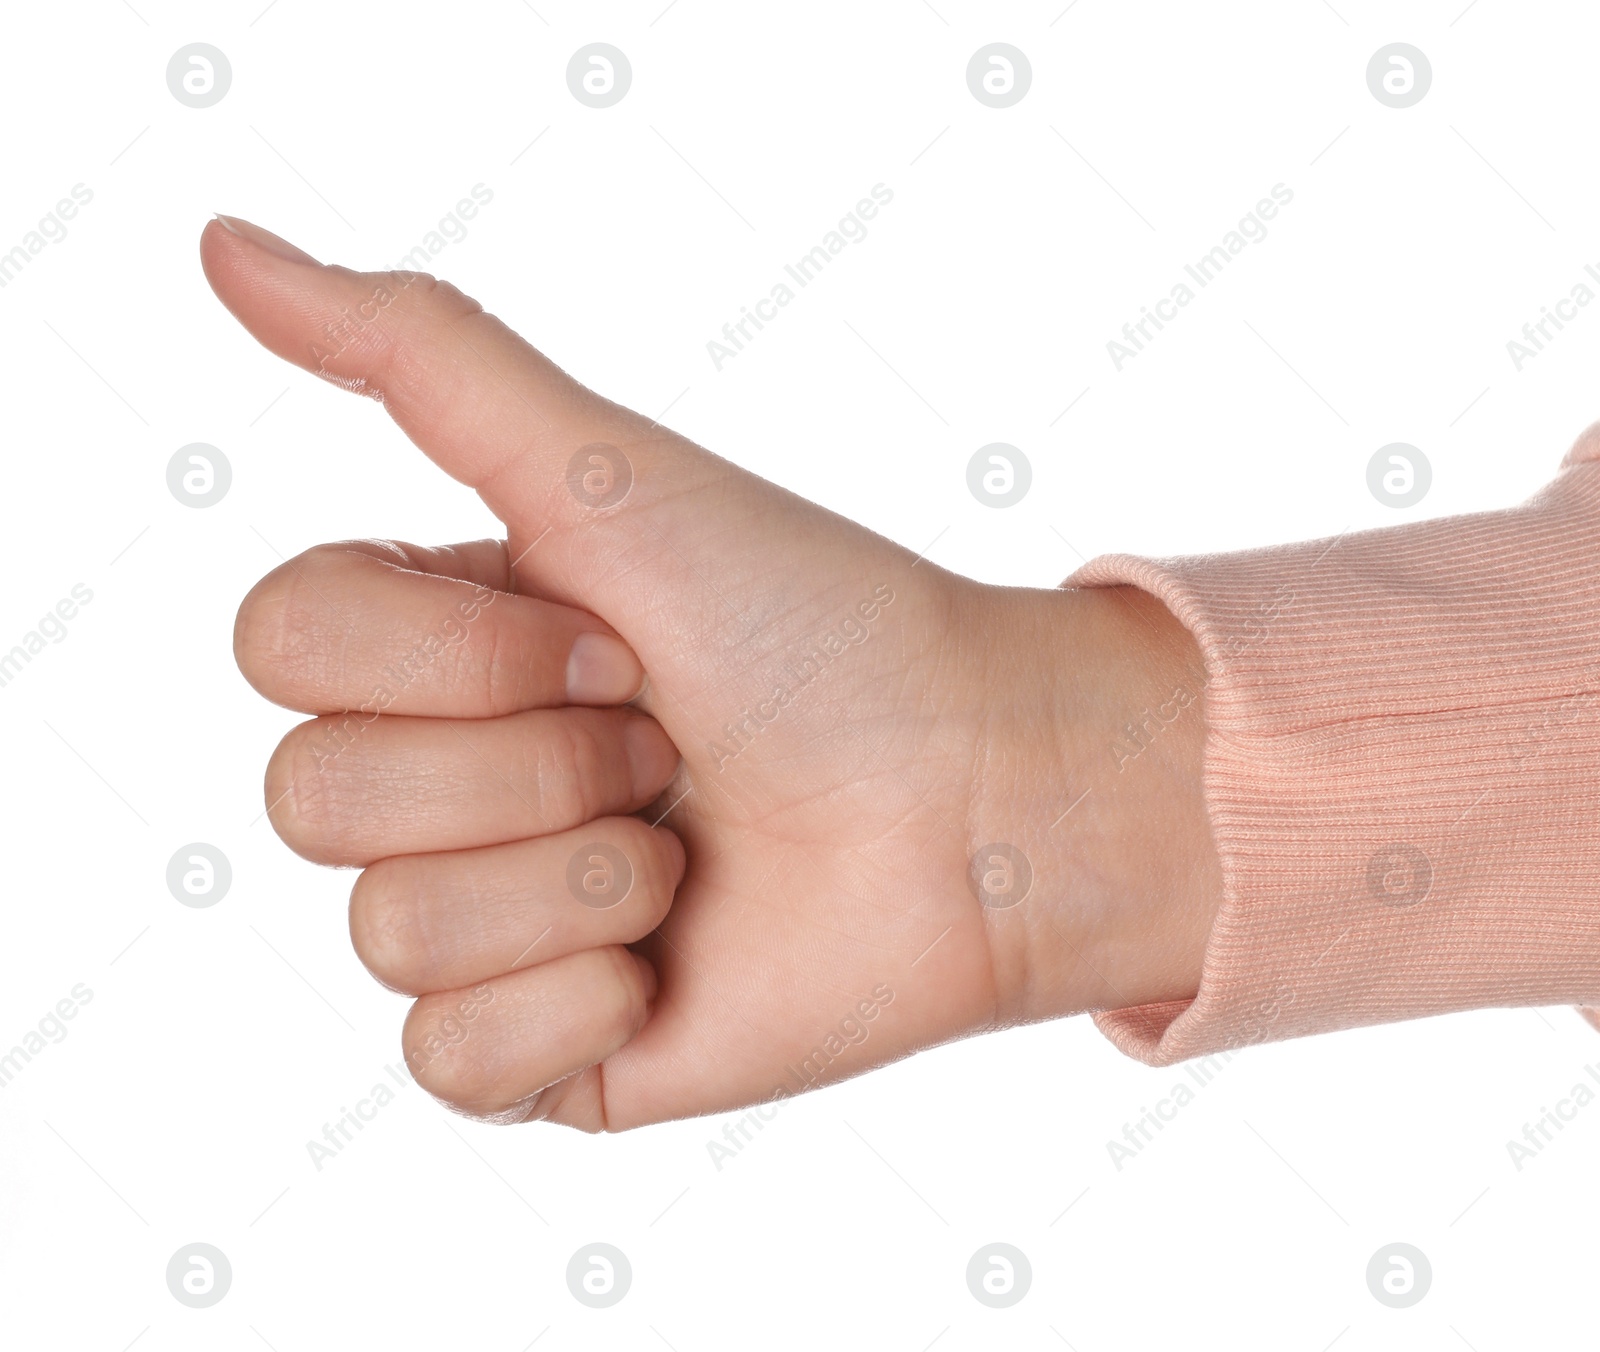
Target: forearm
1400 771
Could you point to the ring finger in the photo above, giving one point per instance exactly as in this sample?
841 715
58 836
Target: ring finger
440 922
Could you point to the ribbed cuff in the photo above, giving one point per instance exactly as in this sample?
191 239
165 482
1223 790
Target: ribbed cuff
1402 770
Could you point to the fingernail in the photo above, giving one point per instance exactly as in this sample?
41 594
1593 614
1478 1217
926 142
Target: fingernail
602 670
652 758
272 243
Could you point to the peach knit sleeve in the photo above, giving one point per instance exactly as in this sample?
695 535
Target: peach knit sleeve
1402 770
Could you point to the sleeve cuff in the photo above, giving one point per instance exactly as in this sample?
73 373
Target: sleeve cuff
1402 767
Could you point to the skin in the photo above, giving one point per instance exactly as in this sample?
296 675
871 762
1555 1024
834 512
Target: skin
812 863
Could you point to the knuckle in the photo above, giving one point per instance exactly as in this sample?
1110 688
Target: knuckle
496 661
411 291
438 301
572 766
439 1050
384 926
268 638
413 307
305 796
280 635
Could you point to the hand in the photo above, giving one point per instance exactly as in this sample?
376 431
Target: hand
854 724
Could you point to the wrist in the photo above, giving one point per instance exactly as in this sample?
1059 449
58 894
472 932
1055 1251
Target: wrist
1091 766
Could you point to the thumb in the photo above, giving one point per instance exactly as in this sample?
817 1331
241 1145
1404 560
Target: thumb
543 451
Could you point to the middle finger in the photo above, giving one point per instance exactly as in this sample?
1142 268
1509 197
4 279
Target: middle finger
351 788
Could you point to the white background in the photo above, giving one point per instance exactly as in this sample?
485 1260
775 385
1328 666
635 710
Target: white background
219 1041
